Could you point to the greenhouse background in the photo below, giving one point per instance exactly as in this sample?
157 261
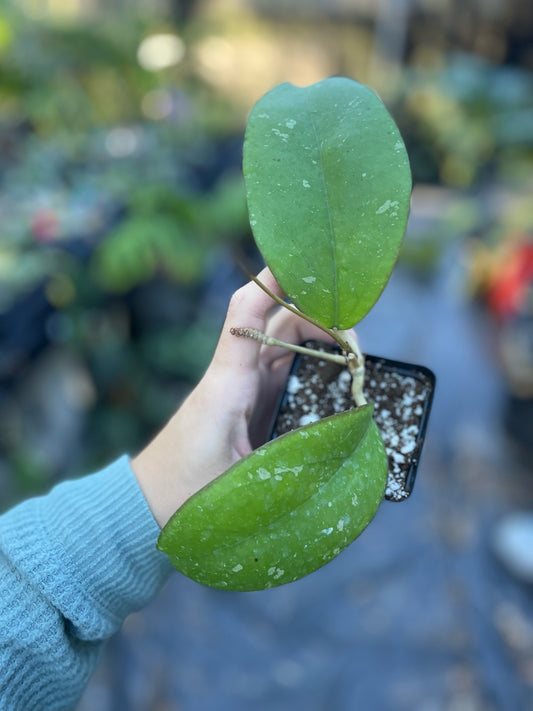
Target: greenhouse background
123 222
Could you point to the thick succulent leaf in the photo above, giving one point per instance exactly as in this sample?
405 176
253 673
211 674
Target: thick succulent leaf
285 510
328 186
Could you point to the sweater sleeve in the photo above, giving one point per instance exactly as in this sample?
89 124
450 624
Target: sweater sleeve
73 565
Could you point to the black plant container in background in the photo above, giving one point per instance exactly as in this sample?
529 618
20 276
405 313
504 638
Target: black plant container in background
401 392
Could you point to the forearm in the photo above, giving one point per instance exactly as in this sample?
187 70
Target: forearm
73 565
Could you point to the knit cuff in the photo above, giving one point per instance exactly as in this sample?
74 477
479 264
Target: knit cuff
91 543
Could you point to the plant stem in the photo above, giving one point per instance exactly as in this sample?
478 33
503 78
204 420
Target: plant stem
352 356
330 331
356 365
270 341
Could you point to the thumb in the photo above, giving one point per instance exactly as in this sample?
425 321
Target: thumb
248 308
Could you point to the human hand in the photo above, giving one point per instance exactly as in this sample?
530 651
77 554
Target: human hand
228 413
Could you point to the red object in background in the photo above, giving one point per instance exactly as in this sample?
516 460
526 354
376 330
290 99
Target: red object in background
45 225
508 291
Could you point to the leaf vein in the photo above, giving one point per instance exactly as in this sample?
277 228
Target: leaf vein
332 241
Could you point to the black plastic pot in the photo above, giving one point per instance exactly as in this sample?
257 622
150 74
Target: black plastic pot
401 392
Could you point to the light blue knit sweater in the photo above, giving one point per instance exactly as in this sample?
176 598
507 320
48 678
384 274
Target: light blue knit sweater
73 565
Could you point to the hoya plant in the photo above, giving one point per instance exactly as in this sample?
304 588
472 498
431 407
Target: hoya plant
328 187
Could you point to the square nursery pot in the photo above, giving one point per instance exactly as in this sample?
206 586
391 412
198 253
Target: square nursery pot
402 394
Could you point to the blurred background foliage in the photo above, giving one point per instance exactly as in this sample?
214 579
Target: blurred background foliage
122 202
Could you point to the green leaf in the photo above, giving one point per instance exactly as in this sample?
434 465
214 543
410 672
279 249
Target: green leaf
143 244
285 510
328 186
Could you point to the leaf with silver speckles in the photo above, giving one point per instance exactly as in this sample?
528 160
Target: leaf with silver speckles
328 185
285 510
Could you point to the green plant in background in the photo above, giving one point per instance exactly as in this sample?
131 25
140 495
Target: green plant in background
467 121
328 185
116 200
86 137
170 232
